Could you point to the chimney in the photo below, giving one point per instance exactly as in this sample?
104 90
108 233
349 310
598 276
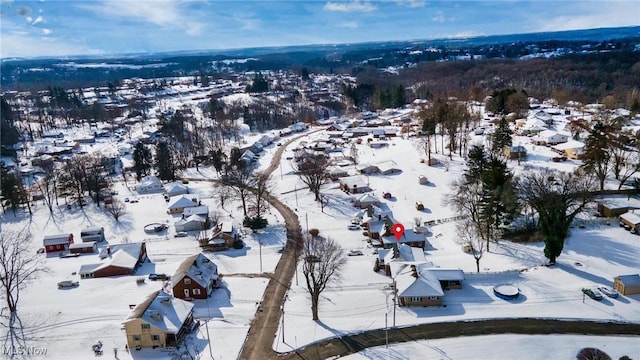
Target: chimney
414 271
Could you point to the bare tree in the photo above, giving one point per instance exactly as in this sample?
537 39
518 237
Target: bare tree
354 153
557 197
47 185
470 241
116 209
18 265
312 171
263 185
223 193
323 261
241 181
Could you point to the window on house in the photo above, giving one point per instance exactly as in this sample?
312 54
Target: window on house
416 299
433 298
146 326
187 281
136 338
196 291
155 337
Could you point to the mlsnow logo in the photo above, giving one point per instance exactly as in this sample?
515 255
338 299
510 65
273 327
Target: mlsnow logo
23 350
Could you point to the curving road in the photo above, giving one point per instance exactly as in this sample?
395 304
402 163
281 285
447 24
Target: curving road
259 341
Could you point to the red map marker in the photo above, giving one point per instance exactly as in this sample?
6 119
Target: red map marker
398 231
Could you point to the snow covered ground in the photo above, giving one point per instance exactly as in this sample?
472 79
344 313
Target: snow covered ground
67 322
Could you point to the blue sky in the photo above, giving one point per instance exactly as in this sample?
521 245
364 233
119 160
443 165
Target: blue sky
106 27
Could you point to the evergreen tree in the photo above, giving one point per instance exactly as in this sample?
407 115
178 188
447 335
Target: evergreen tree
501 137
142 160
597 155
9 134
165 163
476 164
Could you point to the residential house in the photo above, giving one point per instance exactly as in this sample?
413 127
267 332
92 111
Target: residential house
388 167
366 200
116 259
192 223
150 184
224 235
402 253
421 284
551 137
176 188
59 242
354 185
178 204
366 168
409 237
515 152
161 320
572 149
335 172
195 278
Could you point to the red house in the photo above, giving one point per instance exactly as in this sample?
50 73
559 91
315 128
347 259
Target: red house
54 243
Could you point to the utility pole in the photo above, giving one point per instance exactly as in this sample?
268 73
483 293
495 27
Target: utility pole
260 250
386 331
283 324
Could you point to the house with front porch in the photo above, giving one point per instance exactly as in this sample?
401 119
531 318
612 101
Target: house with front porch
161 320
195 278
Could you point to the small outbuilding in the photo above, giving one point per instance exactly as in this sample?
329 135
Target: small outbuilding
630 221
627 284
59 242
83 248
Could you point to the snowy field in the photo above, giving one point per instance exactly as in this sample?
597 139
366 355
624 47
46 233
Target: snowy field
68 322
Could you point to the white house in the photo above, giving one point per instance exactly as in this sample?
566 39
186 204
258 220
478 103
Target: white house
552 137
150 184
191 223
179 203
176 188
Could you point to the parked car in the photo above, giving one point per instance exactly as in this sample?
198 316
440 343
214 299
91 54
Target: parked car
608 291
180 234
134 200
158 277
67 284
355 253
353 227
593 293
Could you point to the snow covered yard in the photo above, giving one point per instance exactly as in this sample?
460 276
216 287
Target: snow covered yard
67 322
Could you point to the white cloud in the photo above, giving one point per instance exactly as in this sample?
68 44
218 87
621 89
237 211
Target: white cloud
411 3
22 45
465 34
46 31
247 22
350 24
356 5
38 20
611 14
438 17
163 13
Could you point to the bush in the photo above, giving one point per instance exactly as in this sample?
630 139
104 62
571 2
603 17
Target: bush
254 223
238 244
592 354
376 266
314 232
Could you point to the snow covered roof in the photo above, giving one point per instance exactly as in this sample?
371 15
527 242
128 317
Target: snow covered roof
162 311
571 144
199 268
196 210
412 280
627 280
176 188
631 217
182 202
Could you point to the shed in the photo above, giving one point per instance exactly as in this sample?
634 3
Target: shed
59 242
614 208
627 284
630 220
92 234
83 248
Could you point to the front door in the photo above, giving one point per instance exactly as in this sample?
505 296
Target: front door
186 293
